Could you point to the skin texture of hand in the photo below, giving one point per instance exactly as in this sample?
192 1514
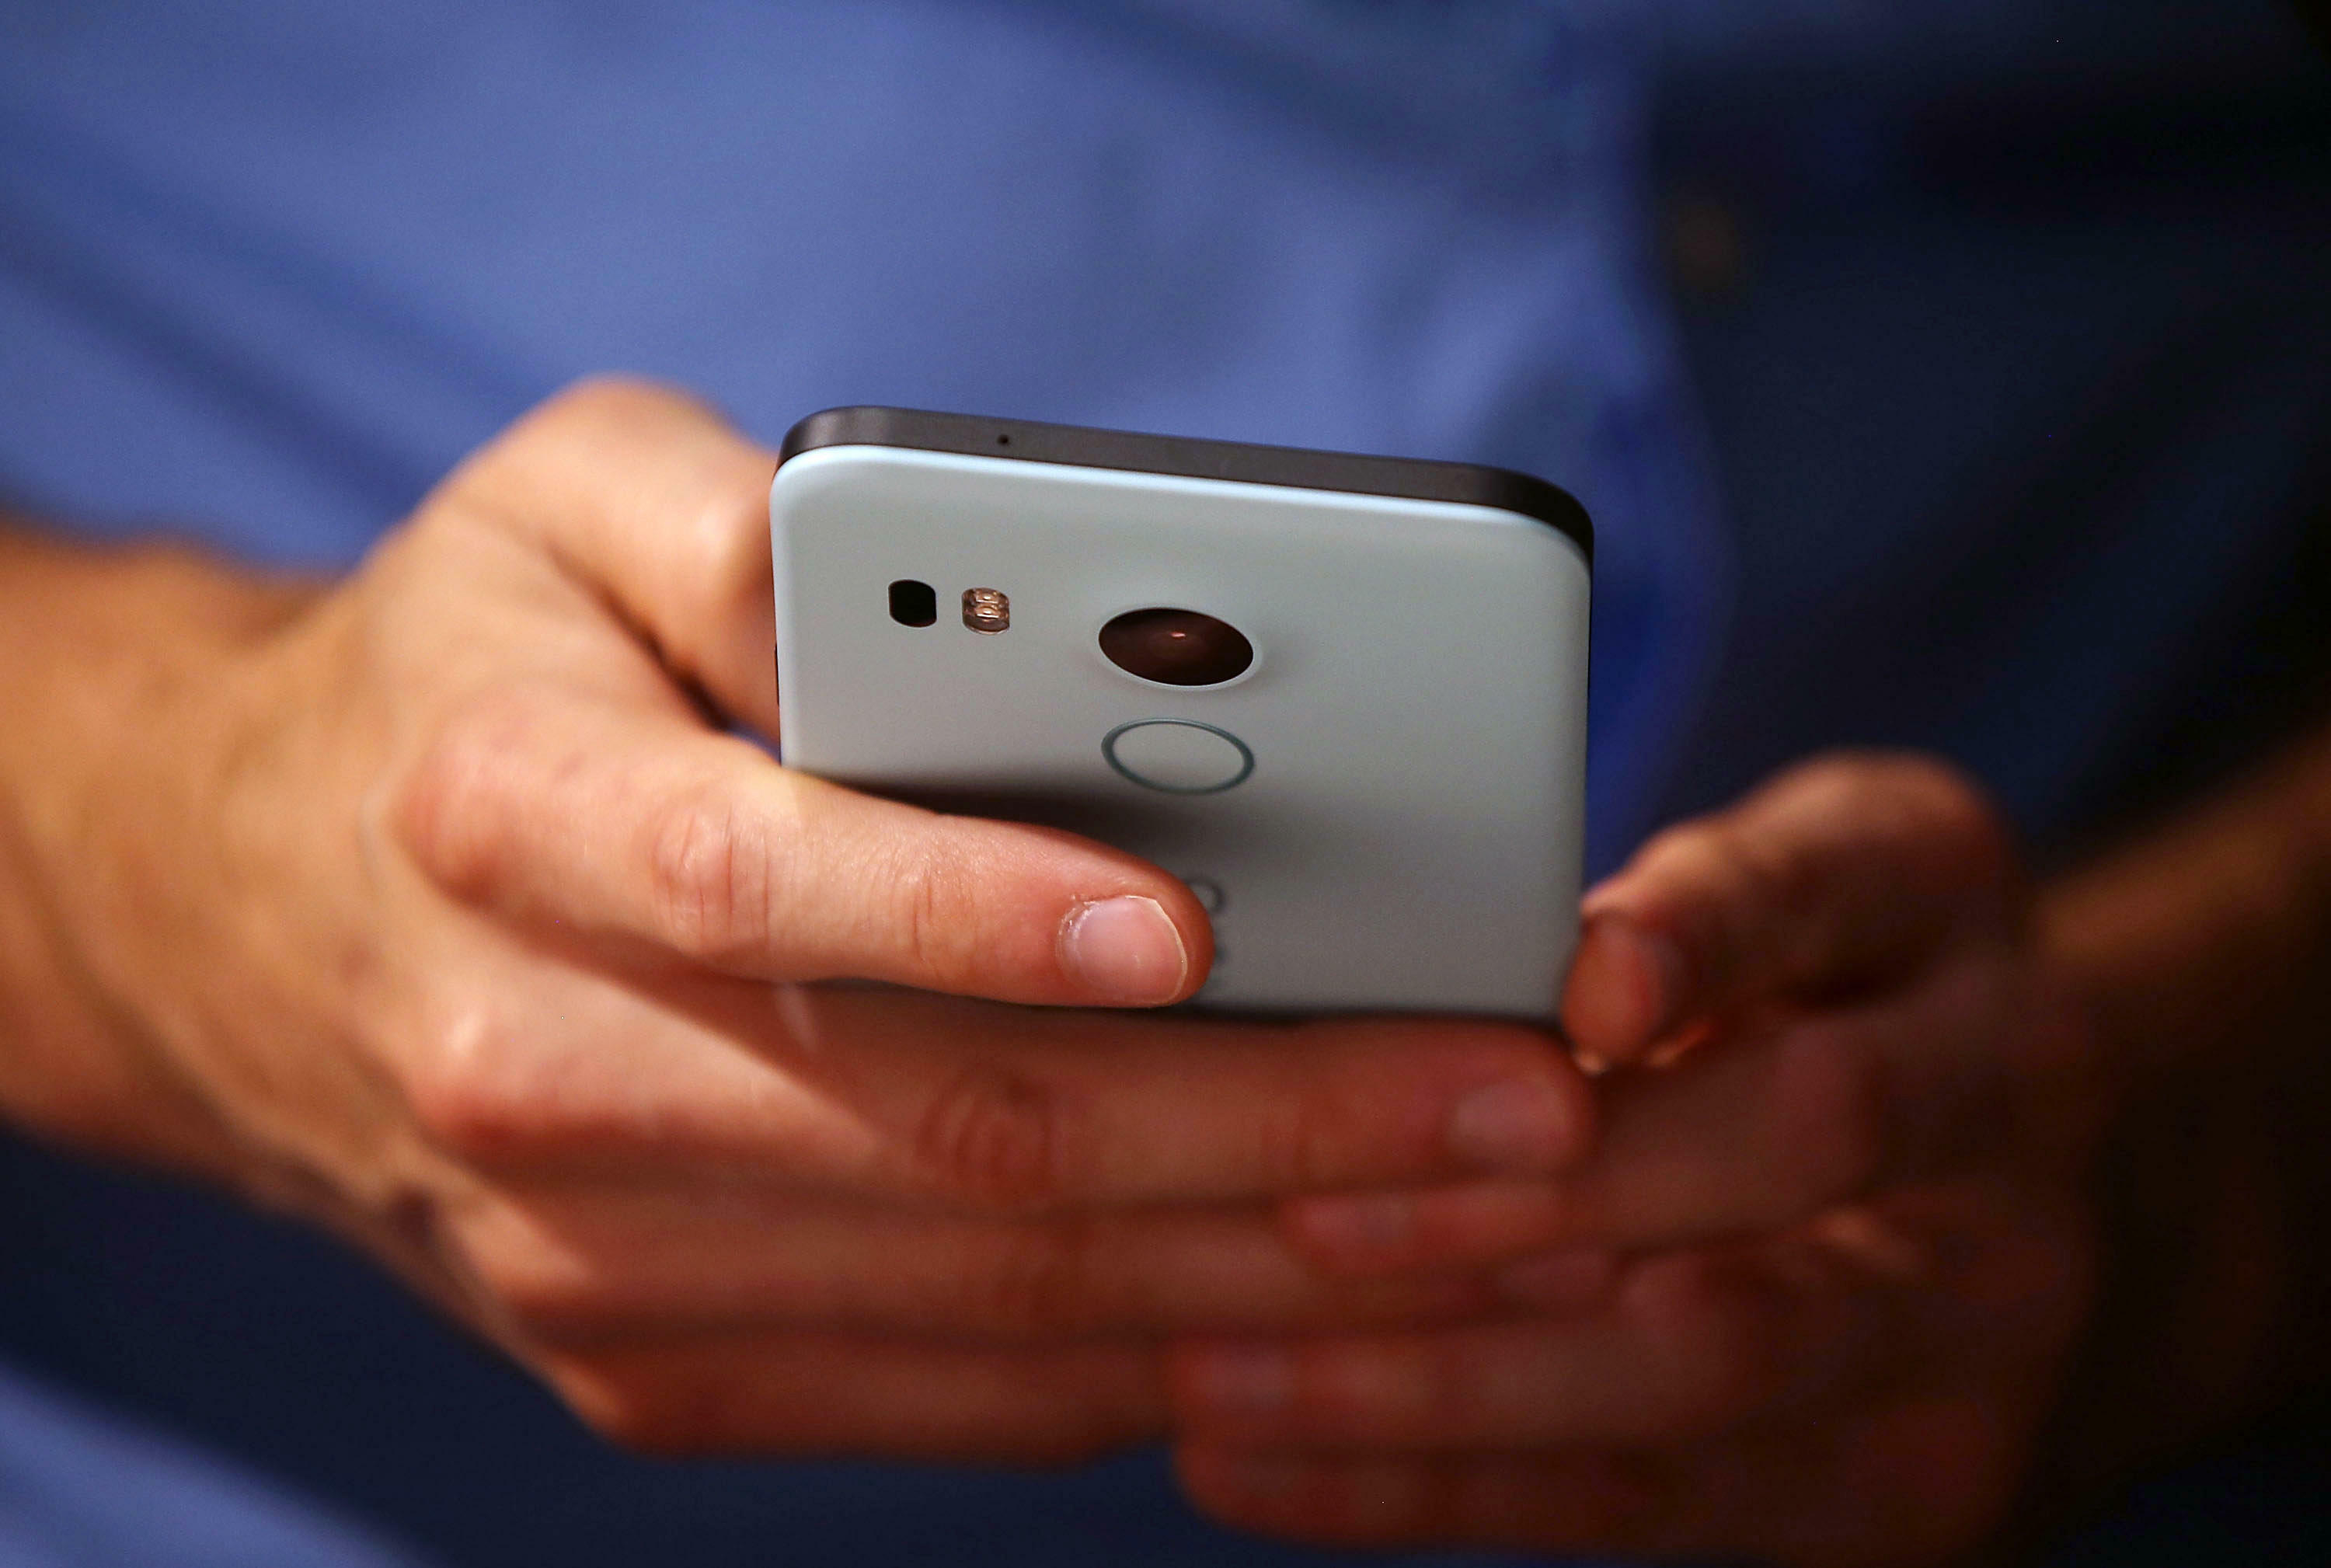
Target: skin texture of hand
1814 1294
440 906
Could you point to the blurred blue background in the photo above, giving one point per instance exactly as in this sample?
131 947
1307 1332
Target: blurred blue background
1956 376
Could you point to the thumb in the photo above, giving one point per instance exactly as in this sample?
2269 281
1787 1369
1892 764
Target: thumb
1840 874
647 830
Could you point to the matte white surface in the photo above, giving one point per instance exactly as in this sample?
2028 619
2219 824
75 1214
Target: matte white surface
1410 837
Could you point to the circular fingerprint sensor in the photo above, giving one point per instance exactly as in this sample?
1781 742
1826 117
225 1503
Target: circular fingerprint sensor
1178 756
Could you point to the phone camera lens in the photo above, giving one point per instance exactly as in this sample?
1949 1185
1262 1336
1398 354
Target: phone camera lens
913 603
1176 647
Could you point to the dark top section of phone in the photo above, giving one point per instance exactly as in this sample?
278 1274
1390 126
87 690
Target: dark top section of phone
1299 468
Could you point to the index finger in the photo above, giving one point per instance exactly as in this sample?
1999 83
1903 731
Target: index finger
906 1097
1838 875
654 503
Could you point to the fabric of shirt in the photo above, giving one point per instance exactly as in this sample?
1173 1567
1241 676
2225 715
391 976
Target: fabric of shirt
269 266
80 1488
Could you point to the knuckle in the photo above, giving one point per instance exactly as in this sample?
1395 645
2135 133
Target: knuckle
474 1093
454 807
711 879
1308 1137
991 1138
937 927
922 920
724 540
460 1108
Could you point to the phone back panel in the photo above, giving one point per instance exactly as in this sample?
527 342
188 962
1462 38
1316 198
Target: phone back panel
1408 836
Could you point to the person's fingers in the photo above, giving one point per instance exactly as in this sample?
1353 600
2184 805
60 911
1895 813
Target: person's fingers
652 502
1565 1500
964 1106
642 826
577 1262
1841 873
1909 1481
1691 1344
1919 1340
1753 1138
843 1394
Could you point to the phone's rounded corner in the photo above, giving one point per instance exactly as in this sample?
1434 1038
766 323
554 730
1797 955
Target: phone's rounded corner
845 424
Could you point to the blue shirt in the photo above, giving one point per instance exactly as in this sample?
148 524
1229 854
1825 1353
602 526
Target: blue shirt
268 269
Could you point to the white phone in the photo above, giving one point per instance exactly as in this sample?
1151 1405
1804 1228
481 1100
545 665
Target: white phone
1344 698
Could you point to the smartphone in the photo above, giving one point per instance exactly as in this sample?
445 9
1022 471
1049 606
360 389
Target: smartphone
1342 698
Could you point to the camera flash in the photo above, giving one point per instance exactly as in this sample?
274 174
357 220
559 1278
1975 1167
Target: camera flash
987 610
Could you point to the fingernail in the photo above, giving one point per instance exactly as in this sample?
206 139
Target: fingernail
1366 1224
1570 1281
1245 1380
1522 1127
1125 951
1613 1022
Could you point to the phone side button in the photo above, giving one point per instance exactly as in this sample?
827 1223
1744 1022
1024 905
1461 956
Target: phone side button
1180 757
